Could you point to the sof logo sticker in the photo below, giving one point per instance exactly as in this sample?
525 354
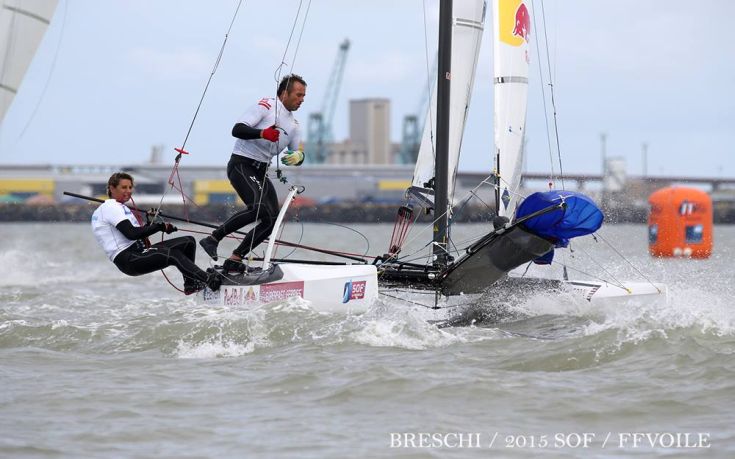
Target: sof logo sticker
354 291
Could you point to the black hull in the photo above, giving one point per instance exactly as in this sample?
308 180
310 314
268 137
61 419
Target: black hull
491 259
485 262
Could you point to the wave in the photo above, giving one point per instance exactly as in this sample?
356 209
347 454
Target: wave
117 319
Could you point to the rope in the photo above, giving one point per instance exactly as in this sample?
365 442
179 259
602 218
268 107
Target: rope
277 76
182 149
627 261
301 33
553 100
460 305
619 284
543 97
298 245
467 196
211 75
138 217
275 145
277 73
404 219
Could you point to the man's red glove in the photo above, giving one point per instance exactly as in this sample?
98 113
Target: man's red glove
270 133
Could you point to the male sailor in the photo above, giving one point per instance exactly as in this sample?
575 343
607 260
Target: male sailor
265 130
122 237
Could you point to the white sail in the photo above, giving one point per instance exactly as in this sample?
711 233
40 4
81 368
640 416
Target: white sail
467 26
22 25
511 55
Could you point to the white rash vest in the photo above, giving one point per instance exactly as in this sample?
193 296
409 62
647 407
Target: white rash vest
104 223
261 116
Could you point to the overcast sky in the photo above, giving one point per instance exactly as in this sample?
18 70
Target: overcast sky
113 77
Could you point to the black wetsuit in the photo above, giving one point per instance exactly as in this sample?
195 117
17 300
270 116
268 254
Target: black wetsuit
137 259
248 178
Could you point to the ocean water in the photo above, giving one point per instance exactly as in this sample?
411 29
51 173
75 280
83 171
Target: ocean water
98 364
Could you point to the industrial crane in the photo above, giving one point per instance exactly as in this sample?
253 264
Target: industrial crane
413 125
320 123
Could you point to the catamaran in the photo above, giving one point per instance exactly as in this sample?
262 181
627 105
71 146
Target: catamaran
525 230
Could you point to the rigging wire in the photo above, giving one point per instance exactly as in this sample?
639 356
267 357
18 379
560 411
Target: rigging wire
211 75
367 241
552 177
137 213
430 224
553 105
301 33
626 260
556 135
403 299
277 76
553 99
551 95
297 245
182 149
616 282
277 72
279 68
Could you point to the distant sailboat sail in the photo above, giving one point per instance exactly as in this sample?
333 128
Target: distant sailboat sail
467 26
511 55
22 25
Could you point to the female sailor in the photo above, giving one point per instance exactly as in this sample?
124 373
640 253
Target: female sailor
124 239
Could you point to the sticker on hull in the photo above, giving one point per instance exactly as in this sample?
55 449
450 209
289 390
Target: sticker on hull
238 295
354 290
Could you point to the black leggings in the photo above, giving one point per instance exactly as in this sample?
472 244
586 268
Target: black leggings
179 252
256 191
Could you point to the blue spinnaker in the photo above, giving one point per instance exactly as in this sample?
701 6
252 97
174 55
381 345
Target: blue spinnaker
580 217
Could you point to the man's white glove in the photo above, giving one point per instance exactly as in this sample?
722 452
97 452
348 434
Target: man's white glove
293 158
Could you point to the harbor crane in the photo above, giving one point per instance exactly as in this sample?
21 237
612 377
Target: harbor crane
413 125
320 123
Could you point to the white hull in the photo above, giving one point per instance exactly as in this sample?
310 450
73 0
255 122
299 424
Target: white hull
490 306
352 289
598 292
342 289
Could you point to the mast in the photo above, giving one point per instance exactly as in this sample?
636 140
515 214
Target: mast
441 164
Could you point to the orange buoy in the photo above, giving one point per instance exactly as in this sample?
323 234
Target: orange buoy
680 223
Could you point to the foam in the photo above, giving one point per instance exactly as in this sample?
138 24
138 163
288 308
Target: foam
213 349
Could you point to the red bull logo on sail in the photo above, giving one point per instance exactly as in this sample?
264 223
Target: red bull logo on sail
514 22
523 22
